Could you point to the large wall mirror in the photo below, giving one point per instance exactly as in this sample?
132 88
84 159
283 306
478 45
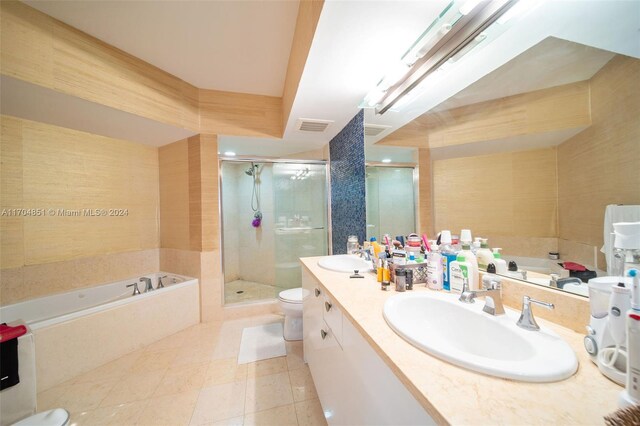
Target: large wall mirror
566 147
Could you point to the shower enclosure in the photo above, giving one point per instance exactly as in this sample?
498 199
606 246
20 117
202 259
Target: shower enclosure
273 212
391 206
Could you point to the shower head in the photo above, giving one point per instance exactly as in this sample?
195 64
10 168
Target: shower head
251 170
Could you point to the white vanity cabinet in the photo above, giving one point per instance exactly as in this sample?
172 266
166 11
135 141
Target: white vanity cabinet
354 384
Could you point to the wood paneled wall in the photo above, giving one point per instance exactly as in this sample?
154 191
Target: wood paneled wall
506 194
556 108
42 50
54 169
189 214
601 165
425 191
306 23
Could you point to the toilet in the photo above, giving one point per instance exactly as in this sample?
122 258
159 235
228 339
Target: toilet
291 305
56 417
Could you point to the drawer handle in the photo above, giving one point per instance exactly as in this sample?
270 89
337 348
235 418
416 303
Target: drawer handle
323 334
317 292
327 306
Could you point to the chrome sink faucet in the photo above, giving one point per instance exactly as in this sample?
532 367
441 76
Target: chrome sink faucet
366 254
493 298
148 285
527 321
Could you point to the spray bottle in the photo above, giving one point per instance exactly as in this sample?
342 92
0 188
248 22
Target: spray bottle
631 395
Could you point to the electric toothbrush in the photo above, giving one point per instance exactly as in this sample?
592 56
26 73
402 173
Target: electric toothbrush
631 395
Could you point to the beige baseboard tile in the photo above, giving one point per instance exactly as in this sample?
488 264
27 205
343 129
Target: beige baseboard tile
32 281
251 310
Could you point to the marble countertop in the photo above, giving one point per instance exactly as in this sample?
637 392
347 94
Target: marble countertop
454 395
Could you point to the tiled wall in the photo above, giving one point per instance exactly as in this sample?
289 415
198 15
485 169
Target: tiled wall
348 205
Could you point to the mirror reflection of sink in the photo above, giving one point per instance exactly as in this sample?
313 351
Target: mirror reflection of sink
464 335
345 263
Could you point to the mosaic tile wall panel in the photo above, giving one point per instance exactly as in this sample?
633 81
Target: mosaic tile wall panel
347 165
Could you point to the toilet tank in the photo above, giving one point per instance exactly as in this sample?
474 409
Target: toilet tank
19 401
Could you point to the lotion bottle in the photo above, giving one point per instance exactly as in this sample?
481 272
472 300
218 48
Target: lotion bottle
472 265
501 264
434 268
461 271
484 255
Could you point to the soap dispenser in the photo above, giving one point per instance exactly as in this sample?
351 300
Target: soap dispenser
499 262
484 255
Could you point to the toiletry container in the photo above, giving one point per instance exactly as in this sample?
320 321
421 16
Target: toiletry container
352 244
472 262
461 270
448 254
434 268
484 255
501 264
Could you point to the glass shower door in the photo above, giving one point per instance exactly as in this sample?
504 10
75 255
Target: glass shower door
259 262
390 201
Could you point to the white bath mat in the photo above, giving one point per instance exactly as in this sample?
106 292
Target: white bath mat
261 342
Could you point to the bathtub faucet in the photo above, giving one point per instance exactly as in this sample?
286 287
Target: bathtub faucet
148 285
136 290
160 284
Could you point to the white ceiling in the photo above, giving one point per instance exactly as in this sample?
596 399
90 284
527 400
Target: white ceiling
247 44
550 63
236 46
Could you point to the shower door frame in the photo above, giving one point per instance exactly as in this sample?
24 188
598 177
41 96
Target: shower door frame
416 185
221 215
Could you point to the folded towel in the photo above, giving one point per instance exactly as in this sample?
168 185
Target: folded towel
572 266
8 332
9 355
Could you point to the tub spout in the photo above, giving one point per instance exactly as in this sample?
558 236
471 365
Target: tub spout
148 285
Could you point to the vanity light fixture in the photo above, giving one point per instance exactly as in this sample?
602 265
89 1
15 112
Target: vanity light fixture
453 34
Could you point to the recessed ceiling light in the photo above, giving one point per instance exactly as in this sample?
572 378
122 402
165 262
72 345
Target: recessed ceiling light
229 154
386 160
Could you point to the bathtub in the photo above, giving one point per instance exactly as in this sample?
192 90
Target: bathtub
80 330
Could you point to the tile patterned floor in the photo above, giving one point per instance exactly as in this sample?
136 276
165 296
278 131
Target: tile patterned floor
251 291
192 378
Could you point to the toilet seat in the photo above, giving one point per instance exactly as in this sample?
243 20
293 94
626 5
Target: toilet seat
55 417
293 295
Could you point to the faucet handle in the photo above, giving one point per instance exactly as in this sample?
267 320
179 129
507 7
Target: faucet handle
527 320
160 284
491 283
136 290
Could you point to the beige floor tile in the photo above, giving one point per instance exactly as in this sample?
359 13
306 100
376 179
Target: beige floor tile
154 361
224 371
174 410
302 384
268 392
85 396
295 355
182 378
116 415
310 413
236 421
50 398
267 367
134 388
279 416
220 402
194 354
111 370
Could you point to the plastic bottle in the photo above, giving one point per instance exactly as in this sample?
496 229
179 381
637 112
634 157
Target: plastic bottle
472 264
434 268
477 244
501 264
461 271
412 258
484 254
379 270
448 254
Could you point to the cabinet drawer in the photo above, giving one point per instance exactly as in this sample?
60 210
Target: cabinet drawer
333 317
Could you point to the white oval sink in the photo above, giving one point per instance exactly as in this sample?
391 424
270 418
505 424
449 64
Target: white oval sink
464 335
345 263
